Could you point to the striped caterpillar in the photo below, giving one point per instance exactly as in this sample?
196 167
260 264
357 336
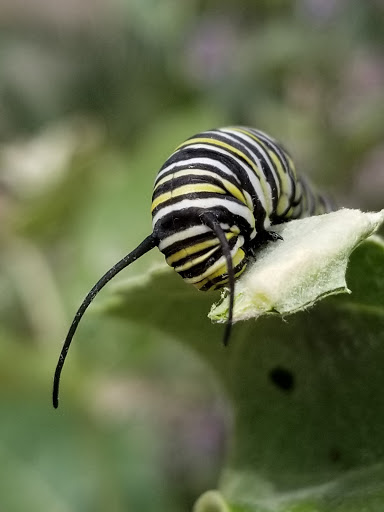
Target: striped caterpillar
214 203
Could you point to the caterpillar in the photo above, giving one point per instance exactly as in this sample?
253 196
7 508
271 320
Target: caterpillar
213 205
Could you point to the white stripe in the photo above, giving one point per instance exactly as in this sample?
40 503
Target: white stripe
221 261
198 259
290 178
193 172
190 162
257 162
273 142
205 203
182 235
265 155
248 197
255 182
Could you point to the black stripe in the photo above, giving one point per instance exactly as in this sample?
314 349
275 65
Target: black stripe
177 221
211 282
227 160
185 166
190 179
190 257
247 149
202 267
187 242
282 154
276 146
183 155
173 201
199 253
252 146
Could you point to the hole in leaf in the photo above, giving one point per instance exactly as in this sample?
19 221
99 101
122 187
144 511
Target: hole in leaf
282 378
334 454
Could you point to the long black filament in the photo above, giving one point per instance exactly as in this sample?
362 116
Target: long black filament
146 245
214 224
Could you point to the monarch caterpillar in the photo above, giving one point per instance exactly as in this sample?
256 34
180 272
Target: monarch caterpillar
213 204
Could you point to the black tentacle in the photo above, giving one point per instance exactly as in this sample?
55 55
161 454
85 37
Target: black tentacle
210 220
146 245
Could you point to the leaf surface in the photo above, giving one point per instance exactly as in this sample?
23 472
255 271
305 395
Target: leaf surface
306 389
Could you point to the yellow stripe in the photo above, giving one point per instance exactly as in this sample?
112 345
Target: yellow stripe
207 140
291 165
282 205
280 169
276 160
232 189
289 213
236 260
186 189
214 142
185 172
222 283
191 263
246 132
283 175
284 178
235 192
193 249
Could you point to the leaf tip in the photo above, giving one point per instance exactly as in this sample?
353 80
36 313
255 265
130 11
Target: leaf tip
211 501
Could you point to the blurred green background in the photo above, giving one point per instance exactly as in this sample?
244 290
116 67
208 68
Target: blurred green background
94 95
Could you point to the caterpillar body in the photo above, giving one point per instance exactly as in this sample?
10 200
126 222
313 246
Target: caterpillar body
214 202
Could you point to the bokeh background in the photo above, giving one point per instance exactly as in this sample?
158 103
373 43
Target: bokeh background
94 95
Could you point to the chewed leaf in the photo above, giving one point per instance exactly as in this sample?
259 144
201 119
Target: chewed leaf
309 264
306 394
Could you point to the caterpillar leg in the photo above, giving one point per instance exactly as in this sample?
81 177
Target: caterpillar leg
272 236
261 239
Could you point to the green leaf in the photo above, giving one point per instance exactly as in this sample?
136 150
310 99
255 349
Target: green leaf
307 265
306 390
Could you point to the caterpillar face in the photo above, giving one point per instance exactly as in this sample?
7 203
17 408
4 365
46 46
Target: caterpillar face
245 179
182 193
